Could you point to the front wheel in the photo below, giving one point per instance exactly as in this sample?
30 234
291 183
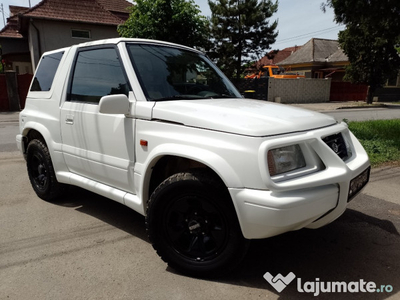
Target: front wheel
193 226
41 172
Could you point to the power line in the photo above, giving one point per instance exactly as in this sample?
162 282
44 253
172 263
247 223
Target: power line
326 29
308 34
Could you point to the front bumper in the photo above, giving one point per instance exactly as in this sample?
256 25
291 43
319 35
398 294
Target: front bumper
264 214
312 200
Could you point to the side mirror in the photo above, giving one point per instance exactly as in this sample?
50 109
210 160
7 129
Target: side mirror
114 104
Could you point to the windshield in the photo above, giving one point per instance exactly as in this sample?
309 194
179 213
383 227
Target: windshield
275 71
167 73
278 71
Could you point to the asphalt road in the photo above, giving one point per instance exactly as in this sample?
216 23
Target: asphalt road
8 131
88 247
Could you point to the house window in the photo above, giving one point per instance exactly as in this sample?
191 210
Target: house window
80 34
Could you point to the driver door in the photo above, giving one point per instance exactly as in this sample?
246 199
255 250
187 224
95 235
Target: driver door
98 146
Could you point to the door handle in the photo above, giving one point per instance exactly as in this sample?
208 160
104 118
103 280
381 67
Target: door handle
69 119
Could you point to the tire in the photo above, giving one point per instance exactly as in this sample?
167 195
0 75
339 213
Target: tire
192 224
41 172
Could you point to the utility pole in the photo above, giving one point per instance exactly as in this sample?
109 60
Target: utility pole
29 3
2 11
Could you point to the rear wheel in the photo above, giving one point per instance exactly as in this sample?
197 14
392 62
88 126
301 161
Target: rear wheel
193 226
41 172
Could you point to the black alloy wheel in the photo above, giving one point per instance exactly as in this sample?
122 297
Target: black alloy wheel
196 228
41 172
193 226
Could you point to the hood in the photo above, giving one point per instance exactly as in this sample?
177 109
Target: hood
240 116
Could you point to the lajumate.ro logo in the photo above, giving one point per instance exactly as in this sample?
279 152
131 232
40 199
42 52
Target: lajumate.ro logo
280 282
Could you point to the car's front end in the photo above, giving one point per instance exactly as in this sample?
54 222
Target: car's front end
290 168
310 178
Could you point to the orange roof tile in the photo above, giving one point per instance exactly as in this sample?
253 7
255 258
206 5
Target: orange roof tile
15 10
11 29
109 12
116 5
276 56
88 11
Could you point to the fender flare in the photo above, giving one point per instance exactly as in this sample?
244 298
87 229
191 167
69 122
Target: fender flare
55 149
44 132
208 158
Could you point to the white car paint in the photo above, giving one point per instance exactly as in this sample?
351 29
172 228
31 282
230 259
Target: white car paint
232 137
241 116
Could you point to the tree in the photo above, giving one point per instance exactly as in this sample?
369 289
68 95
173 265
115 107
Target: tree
240 31
176 21
369 40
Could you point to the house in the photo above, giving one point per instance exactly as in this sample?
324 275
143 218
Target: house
322 58
318 58
275 56
54 24
271 58
14 45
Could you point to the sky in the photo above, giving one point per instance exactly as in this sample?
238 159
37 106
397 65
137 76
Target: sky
298 21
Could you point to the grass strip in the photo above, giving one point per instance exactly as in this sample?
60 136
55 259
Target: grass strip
380 138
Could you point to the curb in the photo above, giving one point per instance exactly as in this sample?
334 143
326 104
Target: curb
362 107
383 105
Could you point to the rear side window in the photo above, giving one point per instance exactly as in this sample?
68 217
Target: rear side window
97 73
45 73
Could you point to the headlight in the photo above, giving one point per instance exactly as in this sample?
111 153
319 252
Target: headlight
285 159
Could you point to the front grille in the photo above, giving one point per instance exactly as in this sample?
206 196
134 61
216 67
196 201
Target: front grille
337 144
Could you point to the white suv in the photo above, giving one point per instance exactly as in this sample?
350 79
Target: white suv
157 127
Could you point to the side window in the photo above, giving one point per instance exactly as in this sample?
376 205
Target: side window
45 73
97 73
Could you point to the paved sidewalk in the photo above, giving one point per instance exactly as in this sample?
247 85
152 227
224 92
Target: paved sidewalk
329 106
9 116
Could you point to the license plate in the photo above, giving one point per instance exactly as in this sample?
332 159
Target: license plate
357 183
